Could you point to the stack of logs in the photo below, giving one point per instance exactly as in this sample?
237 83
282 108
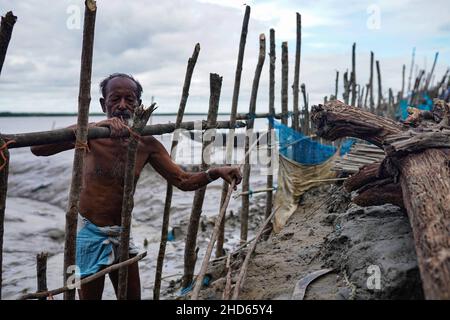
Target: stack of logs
415 174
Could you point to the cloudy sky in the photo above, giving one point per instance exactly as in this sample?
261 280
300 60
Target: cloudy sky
152 40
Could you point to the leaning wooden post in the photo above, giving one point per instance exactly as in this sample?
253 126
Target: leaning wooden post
270 142
411 69
380 91
140 119
353 75
4 167
336 86
190 256
427 84
305 127
346 93
249 138
371 99
295 86
230 137
6 28
41 270
284 82
84 100
165 224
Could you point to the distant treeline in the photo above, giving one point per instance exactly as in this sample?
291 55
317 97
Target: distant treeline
43 114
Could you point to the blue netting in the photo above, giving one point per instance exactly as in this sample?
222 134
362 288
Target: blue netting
302 149
425 104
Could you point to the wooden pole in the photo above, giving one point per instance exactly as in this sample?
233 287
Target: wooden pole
347 84
6 28
84 281
167 204
234 105
284 81
295 86
41 269
403 81
380 92
190 256
366 95
336 86
140 119
305 127
227 290
353 75
4 167
411 69
248 138
272 55
427 84
84 100
371 99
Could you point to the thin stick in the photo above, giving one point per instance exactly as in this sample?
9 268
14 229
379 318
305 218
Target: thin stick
353 75
336 86
84 281
84 99
295 86
41 269
165 224
380 91
371 99
284 81
305 127
252 192
411 69
6 29
140 118
272 55
64 135
249 135
234 105
227 290
190 256
4 163
346 88
427 84
243 272
403 81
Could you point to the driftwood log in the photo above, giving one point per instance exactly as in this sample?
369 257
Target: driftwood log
423 174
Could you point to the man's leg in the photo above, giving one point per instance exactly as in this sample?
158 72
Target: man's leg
92 290
134 282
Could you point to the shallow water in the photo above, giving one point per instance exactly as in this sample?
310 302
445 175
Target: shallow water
37 196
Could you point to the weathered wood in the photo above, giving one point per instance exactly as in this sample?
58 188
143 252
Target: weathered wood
336 87
4 167
6 29
411 69
415 91
346 93
64 135
169 190
379 193
305 122
248 137
269 184
84 281
140 119
41 270
233 117
425 183
427 83
380 91
284 81
295 86
371 99
353 75
402 93
190 256
84 99
227 290
367 174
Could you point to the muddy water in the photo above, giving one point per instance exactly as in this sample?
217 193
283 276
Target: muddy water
37 197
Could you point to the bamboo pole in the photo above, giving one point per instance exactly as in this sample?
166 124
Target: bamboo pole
353 75
249 137
84 100
242 273
284 82
4 168
366 95
6 29
305 126
190 255
272 55
41 269
295 86
227 291
427 84
64 135
403 81
168 202
233 114
371 99
140 118
346 87
380 91
84 281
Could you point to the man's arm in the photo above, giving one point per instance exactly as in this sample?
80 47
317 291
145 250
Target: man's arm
160 159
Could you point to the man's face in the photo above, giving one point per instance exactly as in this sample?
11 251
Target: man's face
120 99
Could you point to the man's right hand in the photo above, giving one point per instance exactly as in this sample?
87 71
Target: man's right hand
115 125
